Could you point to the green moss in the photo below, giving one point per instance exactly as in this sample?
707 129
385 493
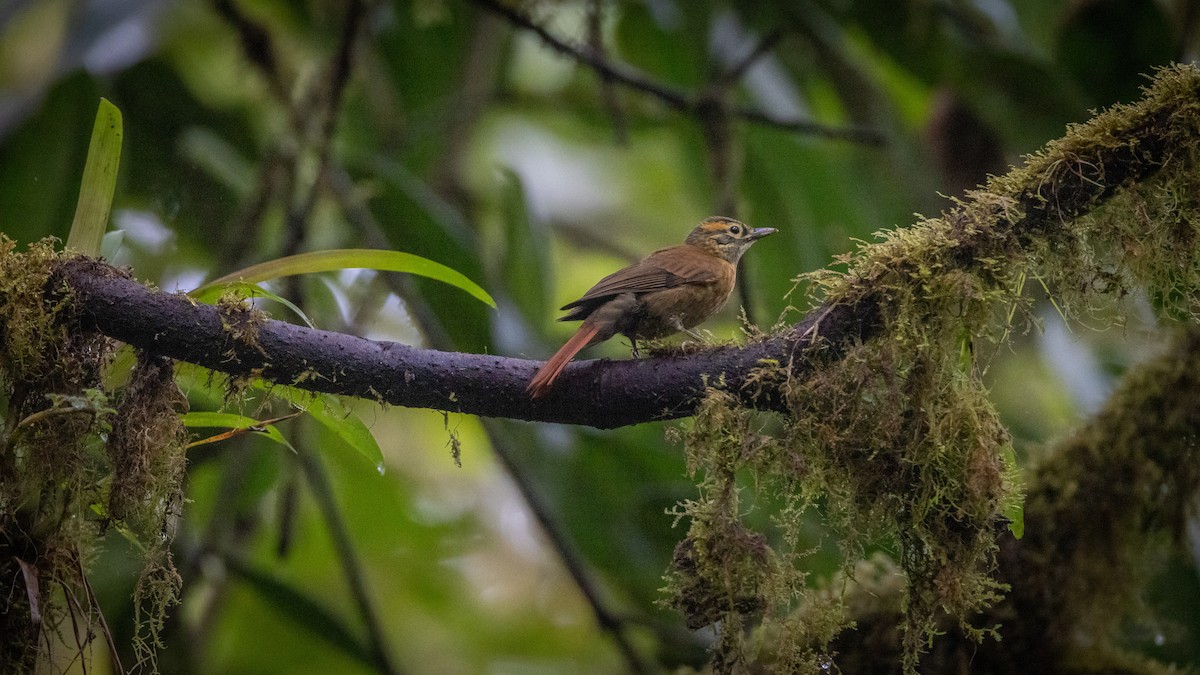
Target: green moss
896 439
72 465
240 320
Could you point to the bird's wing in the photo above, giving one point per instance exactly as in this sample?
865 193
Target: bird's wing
665 268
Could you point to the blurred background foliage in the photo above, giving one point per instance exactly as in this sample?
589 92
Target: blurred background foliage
259 128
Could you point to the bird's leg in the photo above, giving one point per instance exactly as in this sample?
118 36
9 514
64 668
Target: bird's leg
633 348
679 327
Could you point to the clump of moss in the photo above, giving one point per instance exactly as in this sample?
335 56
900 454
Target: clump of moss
70 463
240 319
723 571
146 450
30 335
894 437
51 454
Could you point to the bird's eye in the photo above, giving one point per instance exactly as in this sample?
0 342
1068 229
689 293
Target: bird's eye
734 229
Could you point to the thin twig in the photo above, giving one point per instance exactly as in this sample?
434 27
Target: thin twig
674 98
79 643
608 93
626 75
733 75
300 210
52 412
91 596
610 622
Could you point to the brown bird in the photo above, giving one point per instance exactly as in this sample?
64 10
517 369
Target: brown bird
669 291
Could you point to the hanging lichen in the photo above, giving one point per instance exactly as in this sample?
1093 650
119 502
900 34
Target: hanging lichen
894 438
146 450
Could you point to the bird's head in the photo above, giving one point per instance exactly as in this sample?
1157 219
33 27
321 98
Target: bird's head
725 237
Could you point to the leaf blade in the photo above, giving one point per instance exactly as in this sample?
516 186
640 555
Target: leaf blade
355 258
301 609
348 427
99 181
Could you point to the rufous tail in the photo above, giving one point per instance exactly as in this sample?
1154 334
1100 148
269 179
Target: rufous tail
549 372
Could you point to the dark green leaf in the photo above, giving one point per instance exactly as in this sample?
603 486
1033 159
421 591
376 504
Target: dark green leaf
301 610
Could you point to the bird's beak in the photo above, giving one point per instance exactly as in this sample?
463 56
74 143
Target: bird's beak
761 232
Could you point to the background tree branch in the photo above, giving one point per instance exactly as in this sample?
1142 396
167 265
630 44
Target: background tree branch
674 98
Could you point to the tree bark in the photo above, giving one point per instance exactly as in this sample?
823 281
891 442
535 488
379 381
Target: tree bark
601 393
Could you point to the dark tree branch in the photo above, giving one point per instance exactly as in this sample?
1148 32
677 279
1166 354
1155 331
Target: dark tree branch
732 76
1135 143
608 92
599 393
672 97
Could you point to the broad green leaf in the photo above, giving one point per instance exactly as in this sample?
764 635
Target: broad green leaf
334 416
414 219
44 154
99 181
301 609
354 258
526 255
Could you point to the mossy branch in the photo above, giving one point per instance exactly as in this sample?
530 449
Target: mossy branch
599 393
894 431
1107 503
1104 507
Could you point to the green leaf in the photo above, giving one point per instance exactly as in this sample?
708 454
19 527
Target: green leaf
354 258
327 410
334 416
526 255
219 158
302 610
220 420
99 181
111 243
